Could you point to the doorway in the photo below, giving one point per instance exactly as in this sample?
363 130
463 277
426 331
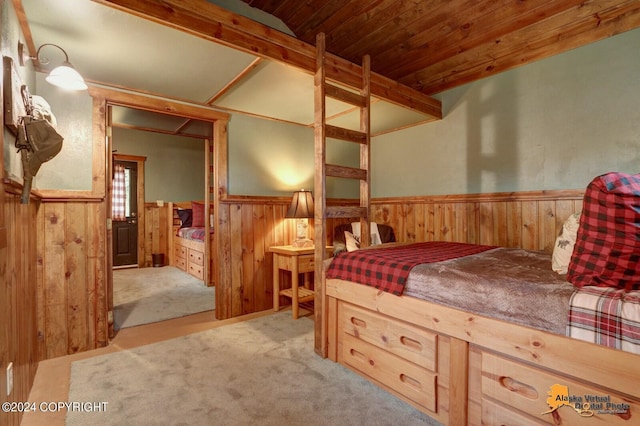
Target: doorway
176 153
125 213
104 101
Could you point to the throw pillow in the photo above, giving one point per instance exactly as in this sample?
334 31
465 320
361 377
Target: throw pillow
607 250
198 214
186 217
564 244
352 243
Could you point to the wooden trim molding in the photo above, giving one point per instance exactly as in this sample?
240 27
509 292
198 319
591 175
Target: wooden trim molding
562 194
164 106
132 158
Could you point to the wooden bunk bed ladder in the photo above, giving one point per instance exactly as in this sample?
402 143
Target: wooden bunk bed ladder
359 97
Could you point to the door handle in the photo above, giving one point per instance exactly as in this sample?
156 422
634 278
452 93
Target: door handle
132 221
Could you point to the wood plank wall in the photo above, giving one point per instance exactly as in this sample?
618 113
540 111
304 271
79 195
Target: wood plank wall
249 227
530 220
246 230
69 263
156 238
19 341
71 267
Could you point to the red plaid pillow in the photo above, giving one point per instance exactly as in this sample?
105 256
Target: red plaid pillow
197 218
607 250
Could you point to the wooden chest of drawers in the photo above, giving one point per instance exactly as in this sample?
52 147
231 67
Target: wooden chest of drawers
400 357
196 263
188 258
509 391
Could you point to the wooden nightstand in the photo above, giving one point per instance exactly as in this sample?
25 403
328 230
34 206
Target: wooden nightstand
298 260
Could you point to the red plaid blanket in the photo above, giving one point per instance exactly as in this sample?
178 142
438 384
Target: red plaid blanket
388 268
606 316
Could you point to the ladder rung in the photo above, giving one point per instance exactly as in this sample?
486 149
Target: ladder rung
345 172
345 134
343 95
345 211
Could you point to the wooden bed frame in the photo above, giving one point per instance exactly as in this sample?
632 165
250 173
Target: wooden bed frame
461 368
193 257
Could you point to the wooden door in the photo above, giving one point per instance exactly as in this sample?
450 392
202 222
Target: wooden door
125 232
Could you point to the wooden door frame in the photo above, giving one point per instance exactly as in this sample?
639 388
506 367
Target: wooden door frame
139 160
103 99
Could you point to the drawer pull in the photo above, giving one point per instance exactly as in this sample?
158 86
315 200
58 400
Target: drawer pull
411 343
357 354
518 387
358 322
410 381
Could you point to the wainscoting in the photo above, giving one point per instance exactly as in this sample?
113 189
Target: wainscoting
156 235
20 342
72 276
530 220
248 227
55 298
245 230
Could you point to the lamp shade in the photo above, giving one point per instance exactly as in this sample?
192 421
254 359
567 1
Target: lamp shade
301 205
66 77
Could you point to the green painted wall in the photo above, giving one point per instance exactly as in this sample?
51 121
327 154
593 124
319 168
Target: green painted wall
274 158
10 33
71 169
174 168
553 124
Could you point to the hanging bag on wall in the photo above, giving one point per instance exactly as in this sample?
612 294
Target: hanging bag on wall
37 140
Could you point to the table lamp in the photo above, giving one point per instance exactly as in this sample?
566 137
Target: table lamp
301 209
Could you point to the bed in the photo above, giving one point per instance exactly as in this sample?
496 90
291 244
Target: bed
190 231
475 334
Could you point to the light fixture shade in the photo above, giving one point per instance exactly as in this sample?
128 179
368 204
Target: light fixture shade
301 205
66 77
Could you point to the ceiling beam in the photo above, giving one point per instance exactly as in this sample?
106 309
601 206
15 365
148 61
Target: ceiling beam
237 79
210 22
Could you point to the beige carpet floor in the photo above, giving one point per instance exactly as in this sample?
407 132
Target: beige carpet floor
258 372
146 295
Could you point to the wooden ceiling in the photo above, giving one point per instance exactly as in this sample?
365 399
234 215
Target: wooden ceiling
434 45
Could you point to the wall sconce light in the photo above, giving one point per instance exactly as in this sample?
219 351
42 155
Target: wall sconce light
63 76
301 209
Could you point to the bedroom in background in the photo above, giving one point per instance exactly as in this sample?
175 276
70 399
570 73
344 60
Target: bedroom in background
149 285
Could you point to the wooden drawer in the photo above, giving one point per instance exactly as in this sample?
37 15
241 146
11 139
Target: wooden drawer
196 257
404 340
408 379
180 252
196 270
306 263
510 387
181 263
284 262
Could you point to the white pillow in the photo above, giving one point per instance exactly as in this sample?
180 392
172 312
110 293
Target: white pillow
564 244
373 229
352 243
